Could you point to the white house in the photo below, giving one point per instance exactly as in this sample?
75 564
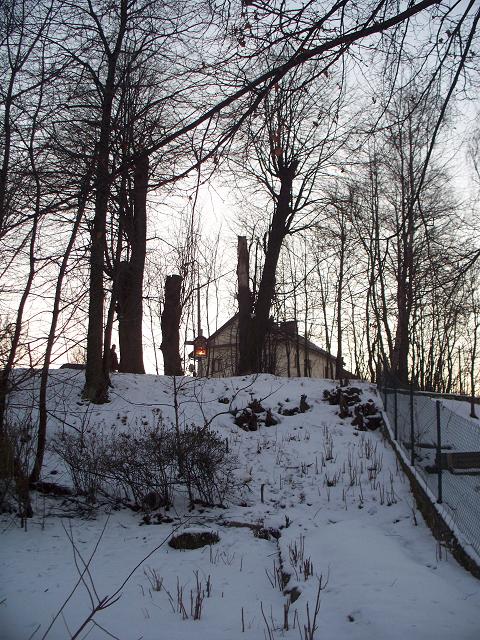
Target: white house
290 354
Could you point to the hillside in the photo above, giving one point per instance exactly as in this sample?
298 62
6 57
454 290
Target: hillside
309 502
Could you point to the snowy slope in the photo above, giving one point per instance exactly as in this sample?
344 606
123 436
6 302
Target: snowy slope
337 497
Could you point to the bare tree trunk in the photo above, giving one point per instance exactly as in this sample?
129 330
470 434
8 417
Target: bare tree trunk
130 289
297 337
472 375
473 357
112 307
339 357
244 304
170 322
96 375
323 299
107 335
307 369
402 338
266 290
42 395
7 370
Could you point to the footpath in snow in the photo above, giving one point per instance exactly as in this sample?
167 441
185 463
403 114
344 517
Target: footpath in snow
318 510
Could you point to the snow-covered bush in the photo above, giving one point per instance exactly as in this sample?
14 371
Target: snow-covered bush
85 456
146 461
207 465
16 459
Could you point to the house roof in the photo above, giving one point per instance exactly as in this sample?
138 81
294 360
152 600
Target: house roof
223 327
311 346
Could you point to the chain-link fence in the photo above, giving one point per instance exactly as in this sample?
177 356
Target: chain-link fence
444 448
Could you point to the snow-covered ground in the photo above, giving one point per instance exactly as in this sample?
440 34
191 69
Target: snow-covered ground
341 504
463 408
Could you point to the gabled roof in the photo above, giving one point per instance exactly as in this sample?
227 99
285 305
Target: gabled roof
311 346
223 327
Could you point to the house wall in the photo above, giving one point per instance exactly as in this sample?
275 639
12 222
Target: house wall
222 352
223 357
287 361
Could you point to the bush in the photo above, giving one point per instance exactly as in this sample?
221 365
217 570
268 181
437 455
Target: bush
16 456
144 463
84 455
207 465
148 461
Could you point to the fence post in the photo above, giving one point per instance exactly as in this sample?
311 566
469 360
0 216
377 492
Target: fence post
439 450
412 429
395 398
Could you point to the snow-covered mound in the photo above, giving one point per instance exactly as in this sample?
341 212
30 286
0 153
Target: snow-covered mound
317 509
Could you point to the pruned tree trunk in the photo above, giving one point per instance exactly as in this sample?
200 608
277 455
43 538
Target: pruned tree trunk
170 323
130 278
244 305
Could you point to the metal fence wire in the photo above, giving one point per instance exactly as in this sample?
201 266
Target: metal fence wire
444 448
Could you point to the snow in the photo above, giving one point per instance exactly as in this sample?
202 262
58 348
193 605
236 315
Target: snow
462 408
383 574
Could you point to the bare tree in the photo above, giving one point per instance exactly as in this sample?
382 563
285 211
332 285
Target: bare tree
289 149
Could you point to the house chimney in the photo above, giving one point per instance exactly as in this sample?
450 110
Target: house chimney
290 327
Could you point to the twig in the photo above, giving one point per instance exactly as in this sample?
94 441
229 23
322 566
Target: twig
78 581
109 600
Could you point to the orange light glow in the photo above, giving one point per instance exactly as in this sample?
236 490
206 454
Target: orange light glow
200 349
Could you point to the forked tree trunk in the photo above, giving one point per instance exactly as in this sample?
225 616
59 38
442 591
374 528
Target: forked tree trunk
96 374
130 280
260 322
170 322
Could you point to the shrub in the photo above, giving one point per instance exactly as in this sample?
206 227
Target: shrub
207 464
16 456
84 454
146 462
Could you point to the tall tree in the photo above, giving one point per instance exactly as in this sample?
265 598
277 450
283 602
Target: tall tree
289 146
130 277
23 191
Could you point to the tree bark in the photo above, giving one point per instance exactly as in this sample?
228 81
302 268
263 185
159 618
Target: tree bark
244 305
339 357
260 323
170 322
130 281
405 277
42 394
96 375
